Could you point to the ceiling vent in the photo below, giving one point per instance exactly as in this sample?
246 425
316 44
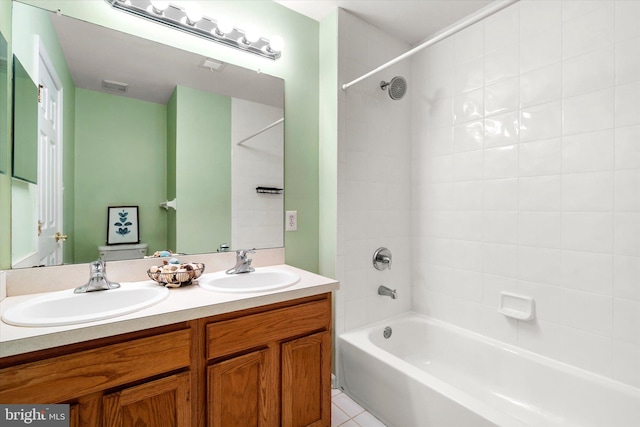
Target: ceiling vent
114 86
212 64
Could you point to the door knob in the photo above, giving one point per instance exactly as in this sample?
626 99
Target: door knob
59 236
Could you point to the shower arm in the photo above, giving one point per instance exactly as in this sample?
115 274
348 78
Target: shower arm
482 14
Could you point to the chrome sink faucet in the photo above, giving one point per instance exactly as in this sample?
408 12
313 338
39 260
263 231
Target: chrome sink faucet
97 280
243 264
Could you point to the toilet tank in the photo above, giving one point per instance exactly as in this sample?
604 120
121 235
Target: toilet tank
122 252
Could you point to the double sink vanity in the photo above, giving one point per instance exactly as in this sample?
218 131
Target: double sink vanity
232 350
249 349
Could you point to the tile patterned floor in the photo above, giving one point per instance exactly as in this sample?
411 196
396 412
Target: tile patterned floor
347 413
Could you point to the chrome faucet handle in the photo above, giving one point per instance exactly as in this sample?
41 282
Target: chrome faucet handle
241 256
97 279
96 267
243 264
382 259
242 253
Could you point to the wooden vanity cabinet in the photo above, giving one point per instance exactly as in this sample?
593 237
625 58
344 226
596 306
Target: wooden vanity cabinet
271 368
266 366
109 382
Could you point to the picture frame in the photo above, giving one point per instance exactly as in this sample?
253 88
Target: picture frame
123 225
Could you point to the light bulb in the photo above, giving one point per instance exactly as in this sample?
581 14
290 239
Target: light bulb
194 13
251 35
159 6
224 25
276 44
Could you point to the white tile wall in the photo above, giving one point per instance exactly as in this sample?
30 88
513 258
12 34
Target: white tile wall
374 168
526 177
258 162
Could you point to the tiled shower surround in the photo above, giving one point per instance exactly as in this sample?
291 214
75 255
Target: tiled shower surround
524 147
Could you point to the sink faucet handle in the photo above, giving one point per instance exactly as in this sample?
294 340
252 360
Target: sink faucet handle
97 267
242 253
243 264
97 279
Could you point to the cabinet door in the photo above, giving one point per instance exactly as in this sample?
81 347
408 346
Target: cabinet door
74 415
243 391
159 403
306 381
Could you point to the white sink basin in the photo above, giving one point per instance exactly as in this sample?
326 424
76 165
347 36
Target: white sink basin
67 308
261 280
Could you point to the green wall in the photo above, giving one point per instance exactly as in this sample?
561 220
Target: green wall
203 170
25 127
120 161
23 196
5 63
328 143
5 180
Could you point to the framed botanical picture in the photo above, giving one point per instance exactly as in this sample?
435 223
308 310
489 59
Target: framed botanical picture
122 225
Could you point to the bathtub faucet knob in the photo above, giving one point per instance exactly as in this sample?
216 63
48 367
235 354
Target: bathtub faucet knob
382 259
387 292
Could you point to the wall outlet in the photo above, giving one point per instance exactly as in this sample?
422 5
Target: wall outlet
291 221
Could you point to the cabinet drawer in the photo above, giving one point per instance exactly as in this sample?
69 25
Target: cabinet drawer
231 336
65 377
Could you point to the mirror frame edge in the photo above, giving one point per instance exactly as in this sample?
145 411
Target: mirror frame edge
6 16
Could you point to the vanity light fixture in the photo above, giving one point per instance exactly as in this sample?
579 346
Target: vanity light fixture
193 13
223 27
188 17
159 6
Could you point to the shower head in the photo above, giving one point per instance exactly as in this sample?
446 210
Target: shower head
397 87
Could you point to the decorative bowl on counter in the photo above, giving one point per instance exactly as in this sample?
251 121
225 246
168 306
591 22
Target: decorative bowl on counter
174 275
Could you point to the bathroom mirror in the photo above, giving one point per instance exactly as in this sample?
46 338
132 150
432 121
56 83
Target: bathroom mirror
25 125
143 124
4 103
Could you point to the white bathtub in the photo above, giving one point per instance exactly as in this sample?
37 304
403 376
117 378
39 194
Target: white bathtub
432 374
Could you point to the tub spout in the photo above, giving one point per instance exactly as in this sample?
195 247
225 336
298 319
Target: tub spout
383 290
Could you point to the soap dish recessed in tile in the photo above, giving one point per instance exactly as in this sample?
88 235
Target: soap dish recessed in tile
516 306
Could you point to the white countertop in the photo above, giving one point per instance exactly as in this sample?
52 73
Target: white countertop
187 303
